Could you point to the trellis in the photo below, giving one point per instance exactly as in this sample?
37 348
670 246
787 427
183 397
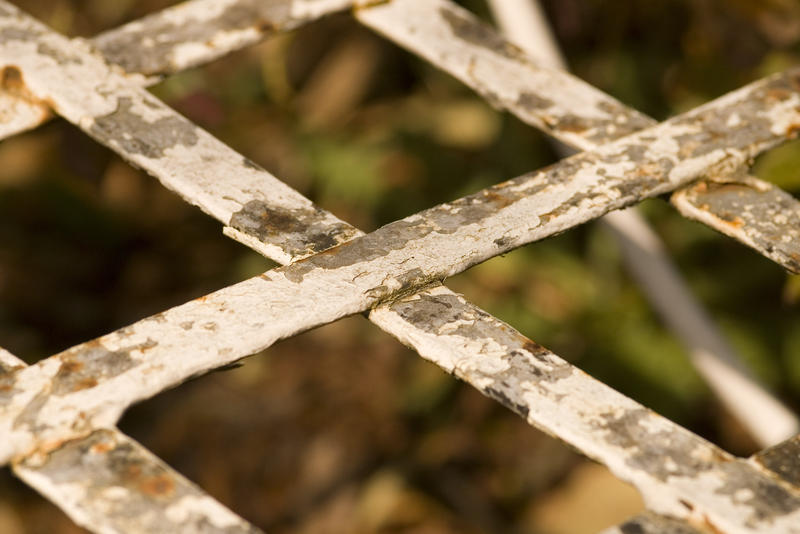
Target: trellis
57 416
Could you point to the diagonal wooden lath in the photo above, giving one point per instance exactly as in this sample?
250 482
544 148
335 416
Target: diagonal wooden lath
384 266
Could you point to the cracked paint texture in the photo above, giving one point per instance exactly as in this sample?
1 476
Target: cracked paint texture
400 264
200 30
585 118
109 483
195 32
179 37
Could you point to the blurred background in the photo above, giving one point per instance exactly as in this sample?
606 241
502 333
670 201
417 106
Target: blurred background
342 429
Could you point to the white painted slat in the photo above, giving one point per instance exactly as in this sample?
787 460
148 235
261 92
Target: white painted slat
8 362
764 417
548 201
153 47
174 39
110 484
376 266
198 31
649 523
752 211
706 465
399 257
79 84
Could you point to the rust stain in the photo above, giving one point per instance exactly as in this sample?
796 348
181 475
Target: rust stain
147 345
499 200
534 348
86 383
736 188
265 26
792 130
46 448
11 79
161 485
153 369
102 448
778 94
734 222
703 523
71 366
573 125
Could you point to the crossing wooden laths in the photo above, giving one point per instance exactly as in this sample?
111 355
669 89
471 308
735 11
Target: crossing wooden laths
56 414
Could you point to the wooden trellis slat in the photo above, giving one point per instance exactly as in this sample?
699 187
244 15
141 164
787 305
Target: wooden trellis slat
576 113
196 32
780 460
678 473
722 507
650 523
153 47
422 248
750 210
110 483
174 39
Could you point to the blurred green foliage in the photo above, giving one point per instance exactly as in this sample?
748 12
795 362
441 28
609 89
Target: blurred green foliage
88 244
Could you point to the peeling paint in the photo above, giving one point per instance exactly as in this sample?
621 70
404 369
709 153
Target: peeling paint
300 232
137 135
398 258
581 116
761 215
109 483
83 367
782 459
649 523
463 28
198 31
158 44
663 453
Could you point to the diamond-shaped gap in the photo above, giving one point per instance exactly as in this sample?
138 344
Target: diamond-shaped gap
88 18
342 425
23 511
572 294
93 245
457 174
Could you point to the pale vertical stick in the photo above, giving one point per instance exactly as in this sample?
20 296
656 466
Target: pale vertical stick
767 420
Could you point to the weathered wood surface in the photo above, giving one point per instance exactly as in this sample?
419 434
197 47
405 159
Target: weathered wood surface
179 37
677 468
111 484
403 255
376 267
196 32
752 211
761 414
782 459
199 31
650 523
